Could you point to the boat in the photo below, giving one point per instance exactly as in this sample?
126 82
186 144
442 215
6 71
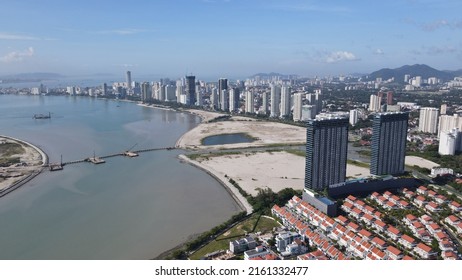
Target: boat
42 116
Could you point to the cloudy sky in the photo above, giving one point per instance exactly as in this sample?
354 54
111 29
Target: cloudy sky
227 38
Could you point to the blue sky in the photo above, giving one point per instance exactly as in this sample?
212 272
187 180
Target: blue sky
228 38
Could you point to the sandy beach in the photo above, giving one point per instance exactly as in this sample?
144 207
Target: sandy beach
265 133
32 161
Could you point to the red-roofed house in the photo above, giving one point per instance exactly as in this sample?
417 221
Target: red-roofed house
433 228
390 205
375 195
366 235
431 194
367 219
452 220
333 252
433 207
342 220
393 253
360 204
316 255
425 219
449 255
424 251
407 258
422 190
459 228
356 213
387 194
446 245
379 225
382 200
456 207
379 243
420 201
347 206
378 254
409 194
409 219
369 209
393 232
403 204
441 199
407 241
440 236
353 226
394 198
351 199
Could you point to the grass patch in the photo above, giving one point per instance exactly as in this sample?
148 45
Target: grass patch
222 241
297 152
9 149
357 163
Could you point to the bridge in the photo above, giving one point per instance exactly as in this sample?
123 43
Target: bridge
101 159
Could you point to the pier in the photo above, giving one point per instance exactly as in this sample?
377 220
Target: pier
102 159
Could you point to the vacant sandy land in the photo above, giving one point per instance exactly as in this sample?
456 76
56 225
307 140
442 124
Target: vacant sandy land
420 162
206 116
265 132
276 170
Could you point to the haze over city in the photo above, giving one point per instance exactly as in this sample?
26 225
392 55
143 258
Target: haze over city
231 38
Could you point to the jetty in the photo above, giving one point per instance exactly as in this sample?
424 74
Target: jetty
102 159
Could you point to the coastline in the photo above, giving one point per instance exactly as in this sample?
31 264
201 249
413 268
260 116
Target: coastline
34 173
241 200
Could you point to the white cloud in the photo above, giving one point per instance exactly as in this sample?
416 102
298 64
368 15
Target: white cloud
17 55
379 52
338 56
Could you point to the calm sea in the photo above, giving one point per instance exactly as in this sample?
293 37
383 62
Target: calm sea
127 208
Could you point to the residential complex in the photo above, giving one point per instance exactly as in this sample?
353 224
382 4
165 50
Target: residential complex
389 143
326 152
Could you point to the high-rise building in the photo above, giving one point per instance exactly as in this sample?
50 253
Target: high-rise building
315 99
308 112
234 100
354 116
428 120
214 100
374 104
179 91
104 89
285 101
191 90
170 92
326 152
447 123
298 103
145 91
224 101
199 101
129 80
275 100
388 143
249 102
390 98
264 104
450 142
444 108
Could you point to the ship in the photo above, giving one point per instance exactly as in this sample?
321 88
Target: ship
42 116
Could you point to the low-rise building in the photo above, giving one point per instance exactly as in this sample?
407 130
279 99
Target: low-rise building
241 245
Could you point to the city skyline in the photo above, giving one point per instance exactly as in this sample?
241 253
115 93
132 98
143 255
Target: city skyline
231 38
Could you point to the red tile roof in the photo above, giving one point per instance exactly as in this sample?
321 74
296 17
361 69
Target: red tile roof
407 238
424 247
378 241
393 230
365 233
394 251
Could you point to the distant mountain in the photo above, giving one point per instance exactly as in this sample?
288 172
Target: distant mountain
456 73
30 77
422 70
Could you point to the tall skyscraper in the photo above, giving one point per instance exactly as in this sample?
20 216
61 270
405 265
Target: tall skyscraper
285 101
374 104
234 100
444 108
222 85
308 112
390 98
191 90
275 100
326 152
129 80
354 115
104 89
249 102
388 143
447 123
264 104
146 91
214 100
450 142
224 100
298 103
428 120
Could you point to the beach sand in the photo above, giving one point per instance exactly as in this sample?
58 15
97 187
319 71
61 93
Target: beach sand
274 170
265 133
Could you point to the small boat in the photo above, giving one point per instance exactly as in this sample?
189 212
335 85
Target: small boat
42 116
